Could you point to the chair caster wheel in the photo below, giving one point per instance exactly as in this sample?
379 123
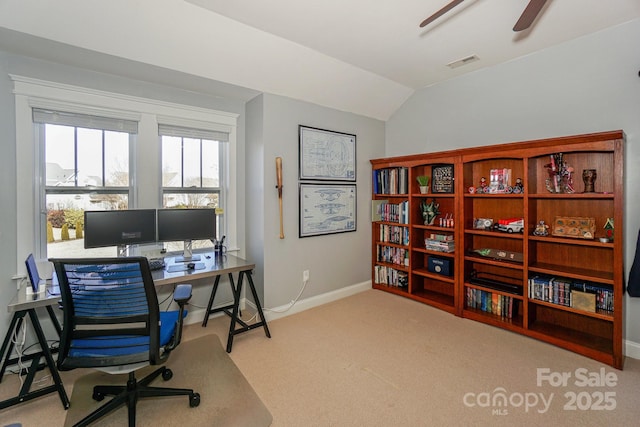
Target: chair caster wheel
194 400
98 397
167 374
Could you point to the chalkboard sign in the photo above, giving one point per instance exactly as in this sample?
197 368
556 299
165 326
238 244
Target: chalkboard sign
442 179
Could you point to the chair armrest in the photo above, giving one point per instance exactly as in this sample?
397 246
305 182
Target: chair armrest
182 294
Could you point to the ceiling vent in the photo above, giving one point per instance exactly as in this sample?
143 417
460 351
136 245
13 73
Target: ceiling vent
463 61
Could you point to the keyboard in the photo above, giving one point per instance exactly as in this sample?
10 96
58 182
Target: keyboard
156 263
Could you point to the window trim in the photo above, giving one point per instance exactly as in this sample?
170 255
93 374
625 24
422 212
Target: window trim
35 93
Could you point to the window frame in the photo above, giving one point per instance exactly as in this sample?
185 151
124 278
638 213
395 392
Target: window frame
146 189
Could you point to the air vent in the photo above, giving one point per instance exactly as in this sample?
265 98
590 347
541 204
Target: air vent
463 61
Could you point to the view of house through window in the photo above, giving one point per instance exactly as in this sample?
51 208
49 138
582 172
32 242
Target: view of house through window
85 169
86 164
191 174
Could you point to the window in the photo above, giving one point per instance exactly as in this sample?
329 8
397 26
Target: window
84 148
86 164
192 170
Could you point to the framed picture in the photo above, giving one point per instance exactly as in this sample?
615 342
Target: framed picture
442 178
326 155
327 209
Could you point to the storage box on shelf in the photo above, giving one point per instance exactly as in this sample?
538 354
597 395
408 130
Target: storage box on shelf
506 238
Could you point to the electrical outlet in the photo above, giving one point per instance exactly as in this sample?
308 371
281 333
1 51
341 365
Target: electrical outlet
305 275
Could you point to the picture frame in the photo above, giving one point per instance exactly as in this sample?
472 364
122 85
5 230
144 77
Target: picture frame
442 178
327 208
326 155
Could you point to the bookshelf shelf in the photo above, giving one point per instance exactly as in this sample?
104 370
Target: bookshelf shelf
599 314
589 266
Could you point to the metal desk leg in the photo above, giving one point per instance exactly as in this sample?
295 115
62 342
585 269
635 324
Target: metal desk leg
226 308
24 394
235 318
213 295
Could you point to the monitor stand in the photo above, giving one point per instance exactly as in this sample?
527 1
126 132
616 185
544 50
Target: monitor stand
187 254
123 250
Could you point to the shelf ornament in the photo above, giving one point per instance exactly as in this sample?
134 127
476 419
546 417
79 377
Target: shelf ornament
429 211
560 175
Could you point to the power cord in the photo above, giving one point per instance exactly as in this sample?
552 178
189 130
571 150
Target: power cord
284 310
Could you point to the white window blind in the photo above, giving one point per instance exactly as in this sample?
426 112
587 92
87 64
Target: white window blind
84 121
183 132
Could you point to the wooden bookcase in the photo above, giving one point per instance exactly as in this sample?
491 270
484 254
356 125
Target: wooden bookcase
536 289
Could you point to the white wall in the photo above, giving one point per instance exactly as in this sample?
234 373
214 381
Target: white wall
587 85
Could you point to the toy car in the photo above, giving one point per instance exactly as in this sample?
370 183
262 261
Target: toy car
511 225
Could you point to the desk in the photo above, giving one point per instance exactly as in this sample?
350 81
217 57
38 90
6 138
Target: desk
21 306
216 267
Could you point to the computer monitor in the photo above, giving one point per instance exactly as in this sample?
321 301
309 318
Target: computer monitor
186 225
32 271
119 228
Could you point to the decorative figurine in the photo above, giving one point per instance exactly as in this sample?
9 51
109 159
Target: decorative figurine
560 175
519 187
589 177
542 229
429 211
483 185
608 229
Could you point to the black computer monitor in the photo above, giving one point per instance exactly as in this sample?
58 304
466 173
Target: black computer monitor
186 225
119 228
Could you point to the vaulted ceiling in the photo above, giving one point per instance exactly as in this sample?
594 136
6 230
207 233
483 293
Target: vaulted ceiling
361 56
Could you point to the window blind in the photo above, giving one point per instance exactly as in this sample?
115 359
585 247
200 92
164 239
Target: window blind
184 132
84 121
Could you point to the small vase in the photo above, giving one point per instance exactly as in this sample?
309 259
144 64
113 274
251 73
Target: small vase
424 189
589 177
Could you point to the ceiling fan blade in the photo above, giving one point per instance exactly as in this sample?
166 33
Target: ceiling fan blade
441 12
529 15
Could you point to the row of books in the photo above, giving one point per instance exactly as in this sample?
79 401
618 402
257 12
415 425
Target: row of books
384 275
391 181
498 304
394 234
558 290
440 245
393 255
392 212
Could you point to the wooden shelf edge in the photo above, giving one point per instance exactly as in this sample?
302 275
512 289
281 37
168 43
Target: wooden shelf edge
426 273
574 273
515 324
597 315
498 263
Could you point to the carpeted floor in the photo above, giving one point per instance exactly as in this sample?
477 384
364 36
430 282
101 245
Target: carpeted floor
202 364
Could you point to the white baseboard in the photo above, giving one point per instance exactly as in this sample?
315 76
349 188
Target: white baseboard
272 313
632 349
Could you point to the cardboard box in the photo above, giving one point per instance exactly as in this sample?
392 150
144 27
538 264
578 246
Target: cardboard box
441 266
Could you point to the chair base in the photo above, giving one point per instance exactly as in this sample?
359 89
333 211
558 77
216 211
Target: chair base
130 393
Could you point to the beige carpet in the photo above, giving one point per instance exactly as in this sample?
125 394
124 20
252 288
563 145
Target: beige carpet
202 364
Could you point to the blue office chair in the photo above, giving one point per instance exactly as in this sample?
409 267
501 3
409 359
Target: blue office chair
112 322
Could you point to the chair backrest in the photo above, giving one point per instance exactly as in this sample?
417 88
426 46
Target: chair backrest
111 314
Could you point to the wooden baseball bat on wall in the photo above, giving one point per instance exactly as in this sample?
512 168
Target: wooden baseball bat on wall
279 187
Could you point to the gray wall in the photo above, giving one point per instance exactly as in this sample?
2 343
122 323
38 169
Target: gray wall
334 261
8 196
587 85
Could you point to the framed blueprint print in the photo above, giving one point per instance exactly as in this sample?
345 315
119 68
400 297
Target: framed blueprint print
327 209
326 155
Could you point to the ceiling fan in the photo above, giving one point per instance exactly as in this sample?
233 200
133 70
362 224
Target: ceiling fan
526 19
